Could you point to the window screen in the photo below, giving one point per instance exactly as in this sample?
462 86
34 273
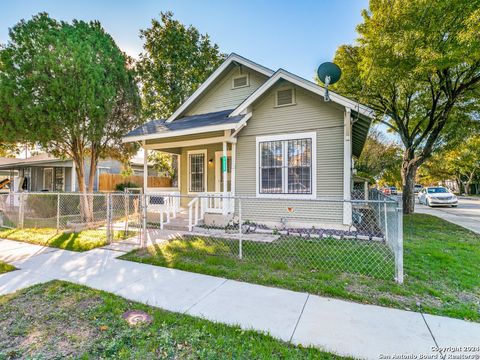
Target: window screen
197 175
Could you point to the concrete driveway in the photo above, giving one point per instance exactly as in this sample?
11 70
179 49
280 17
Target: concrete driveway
467 214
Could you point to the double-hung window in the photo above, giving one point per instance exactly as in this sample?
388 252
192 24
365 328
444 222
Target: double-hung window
286 165
197 171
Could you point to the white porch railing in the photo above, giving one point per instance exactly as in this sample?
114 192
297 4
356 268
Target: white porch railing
163 201
218 203
211 202
194 215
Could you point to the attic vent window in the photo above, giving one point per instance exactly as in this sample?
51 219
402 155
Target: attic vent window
240 81
285 97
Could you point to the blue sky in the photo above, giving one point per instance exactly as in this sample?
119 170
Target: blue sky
294 35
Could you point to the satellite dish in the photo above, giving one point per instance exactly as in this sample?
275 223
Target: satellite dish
328 73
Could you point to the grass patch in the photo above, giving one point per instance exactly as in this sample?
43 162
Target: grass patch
441 260
64 320
4 267
80 241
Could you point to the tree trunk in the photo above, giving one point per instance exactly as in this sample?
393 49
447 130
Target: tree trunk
409 172
85 209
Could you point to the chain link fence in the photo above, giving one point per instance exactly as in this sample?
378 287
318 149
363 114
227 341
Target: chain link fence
354 236
118 215
361 236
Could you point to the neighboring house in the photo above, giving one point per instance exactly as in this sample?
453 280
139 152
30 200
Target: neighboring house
44 172
280 138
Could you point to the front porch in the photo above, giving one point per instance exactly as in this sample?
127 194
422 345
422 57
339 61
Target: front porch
204 184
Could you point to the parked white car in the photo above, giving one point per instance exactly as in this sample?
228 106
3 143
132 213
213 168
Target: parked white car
437 196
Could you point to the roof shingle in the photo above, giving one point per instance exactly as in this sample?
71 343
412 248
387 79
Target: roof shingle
185 123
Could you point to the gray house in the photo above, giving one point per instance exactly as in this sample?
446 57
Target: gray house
268 135
44 172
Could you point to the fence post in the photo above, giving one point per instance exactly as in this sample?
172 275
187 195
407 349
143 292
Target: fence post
385 219
126 206
240 244
108 219
58 212
399 246
144 220
21 211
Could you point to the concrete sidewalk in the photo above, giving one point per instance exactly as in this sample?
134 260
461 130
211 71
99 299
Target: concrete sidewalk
342 327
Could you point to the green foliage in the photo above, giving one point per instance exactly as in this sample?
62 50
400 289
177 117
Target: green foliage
415 64
92 327
127 184
67 87
4 267
162 163
461 163
8 149
126 170
75 241
380 159
175 61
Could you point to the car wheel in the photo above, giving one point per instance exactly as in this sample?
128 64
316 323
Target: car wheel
427 202
454 205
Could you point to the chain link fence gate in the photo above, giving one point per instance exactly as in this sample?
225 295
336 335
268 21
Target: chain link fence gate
357 236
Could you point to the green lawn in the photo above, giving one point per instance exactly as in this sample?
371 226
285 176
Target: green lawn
79 241
442 267
64 320
4 267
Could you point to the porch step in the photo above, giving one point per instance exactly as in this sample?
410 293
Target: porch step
180 223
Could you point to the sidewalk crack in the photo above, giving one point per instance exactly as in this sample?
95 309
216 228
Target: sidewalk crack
205 296
299 317
433 337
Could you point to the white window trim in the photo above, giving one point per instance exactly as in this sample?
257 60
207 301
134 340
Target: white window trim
53 178
205 162
294 98
281 137
240 76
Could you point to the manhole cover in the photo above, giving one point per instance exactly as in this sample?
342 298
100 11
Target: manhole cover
136 317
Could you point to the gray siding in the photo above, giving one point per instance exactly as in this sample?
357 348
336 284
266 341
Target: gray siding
310 113
222 97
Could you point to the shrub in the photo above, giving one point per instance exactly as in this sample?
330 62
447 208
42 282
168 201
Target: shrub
128 184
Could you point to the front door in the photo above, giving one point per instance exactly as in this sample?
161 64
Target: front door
218 171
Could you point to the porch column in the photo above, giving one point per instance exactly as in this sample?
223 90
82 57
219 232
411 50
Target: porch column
145 170
233 168
347 167
224 177
224 167
178 172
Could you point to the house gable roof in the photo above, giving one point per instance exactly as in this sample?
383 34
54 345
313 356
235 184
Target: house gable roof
362 115
232 58
303 83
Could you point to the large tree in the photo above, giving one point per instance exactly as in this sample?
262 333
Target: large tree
380 159
9 149
175 60
415 63
69 88
460 162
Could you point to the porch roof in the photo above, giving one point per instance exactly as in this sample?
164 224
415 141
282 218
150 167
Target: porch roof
213 121
36 160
